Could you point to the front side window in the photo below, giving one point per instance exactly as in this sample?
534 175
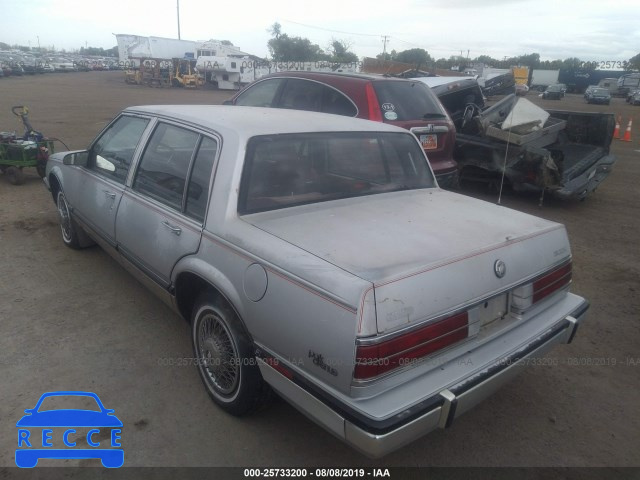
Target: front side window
294 169
112 153
262 94
164 165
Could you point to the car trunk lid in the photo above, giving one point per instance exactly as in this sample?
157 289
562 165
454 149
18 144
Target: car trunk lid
427 252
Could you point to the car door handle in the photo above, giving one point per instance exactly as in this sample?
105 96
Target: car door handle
109 194
176 230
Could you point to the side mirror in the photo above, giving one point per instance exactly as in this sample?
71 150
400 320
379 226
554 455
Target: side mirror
76 158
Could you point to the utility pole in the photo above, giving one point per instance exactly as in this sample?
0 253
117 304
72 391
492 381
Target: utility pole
384 47
178 9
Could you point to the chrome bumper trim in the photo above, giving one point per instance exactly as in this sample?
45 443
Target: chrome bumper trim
443 408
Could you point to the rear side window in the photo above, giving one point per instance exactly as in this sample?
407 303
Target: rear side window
164 165
402 101
335 102
302 95
294 169
198 190
262 94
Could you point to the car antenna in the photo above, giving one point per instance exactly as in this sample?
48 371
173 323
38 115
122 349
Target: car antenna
504 165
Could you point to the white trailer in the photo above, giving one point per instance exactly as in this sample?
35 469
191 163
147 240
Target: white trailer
131 48
230 73
541 79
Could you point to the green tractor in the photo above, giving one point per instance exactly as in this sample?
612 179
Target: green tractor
30 150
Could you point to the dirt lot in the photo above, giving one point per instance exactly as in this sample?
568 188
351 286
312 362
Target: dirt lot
77 321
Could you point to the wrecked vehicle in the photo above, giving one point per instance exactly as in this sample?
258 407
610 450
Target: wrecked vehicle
560 152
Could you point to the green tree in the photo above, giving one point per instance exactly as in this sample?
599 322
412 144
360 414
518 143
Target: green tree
293 49
634 63
486 59
531 60
415 56
386 56
575 63
340 52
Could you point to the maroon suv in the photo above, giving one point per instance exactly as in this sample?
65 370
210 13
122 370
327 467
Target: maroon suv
406 103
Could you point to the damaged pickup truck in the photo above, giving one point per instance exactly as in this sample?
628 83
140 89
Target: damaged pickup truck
560 152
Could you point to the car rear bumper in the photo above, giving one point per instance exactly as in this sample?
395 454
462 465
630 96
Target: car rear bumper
376 439
580 186
448 180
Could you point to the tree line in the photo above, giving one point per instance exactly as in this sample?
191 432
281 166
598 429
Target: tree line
283 47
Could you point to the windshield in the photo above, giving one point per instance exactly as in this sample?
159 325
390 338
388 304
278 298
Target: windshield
601 91
286 170
407 100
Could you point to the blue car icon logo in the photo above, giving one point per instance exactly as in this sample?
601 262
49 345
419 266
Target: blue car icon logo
77 433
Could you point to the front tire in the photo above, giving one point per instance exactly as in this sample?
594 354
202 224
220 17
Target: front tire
67 227
225 359
73 235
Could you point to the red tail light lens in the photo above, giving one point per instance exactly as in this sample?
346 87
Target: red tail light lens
526 295
375 113
552 282
374 360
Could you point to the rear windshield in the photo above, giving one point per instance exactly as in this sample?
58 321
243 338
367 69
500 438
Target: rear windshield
402 101
294 169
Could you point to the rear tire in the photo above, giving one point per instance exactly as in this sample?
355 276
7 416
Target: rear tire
15 175
225 358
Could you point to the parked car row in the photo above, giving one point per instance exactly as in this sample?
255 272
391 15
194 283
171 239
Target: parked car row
555 92
14 64
633 97
598 95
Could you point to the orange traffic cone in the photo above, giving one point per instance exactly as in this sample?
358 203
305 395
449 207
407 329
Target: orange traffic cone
616 132
627 134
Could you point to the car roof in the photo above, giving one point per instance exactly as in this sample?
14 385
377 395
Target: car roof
328 76
251 121
437 81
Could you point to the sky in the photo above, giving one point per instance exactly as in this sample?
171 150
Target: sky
591 30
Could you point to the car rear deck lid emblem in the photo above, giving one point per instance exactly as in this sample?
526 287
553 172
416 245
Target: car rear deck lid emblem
499 268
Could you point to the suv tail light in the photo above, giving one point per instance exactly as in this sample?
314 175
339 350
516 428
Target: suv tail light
527 295
375 113
374 360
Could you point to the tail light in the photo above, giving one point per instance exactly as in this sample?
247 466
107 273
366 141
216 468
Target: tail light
374 360
527 295
375 113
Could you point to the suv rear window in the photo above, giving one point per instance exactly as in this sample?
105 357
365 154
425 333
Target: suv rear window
293 169
402 101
